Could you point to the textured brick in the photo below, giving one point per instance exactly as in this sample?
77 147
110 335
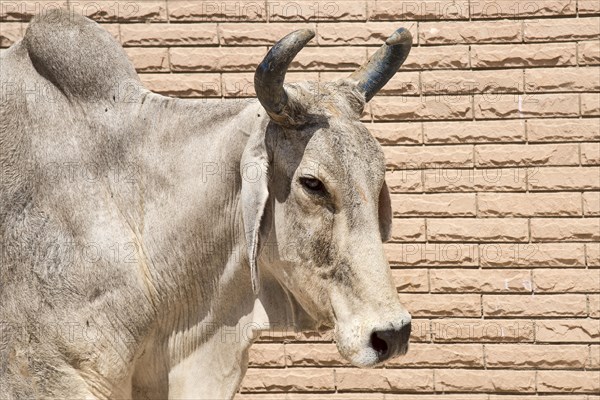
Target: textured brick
589 53
594 362
523 55
526 105
469 82
562 80
441 305
532 255
216 59
536 356
515 8
421 10
485 381
566 281
309 380
546 30
415 157
568 381
324 58
591 204
563 130
267 355
431 205
592 251
514 155
114 29
396 132
369 33
594 304
402 83
404 181
410 280
224 10
470 32
408 230
420 355
479 180
590 104
475 280
564 178
420 254
169 34
588 7
316 396
10 33
121 10
249 34
441 254
478 330
425 355
437 57
565 229
529 204
386 380
461 396
535 397
477 230
149 59
390 108
313 355
24 10
474 132
183 85
590 153
420 330
316 10
563 305
242 84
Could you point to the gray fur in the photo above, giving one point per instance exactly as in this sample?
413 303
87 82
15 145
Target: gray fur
151 249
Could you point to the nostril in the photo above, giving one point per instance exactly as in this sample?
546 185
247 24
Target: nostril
391 342
379 345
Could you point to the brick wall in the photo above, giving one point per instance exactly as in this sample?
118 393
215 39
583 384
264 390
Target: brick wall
492 135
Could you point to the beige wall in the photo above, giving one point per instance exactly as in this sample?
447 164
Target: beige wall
492 136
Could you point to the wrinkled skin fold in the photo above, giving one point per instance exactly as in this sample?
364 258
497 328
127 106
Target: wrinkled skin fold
147 241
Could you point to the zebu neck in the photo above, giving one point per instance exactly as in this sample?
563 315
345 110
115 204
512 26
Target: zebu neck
191 161
197 146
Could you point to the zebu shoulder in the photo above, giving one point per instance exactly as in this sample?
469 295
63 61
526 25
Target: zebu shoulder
77 55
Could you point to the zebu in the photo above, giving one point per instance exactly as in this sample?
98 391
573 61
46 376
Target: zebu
229 217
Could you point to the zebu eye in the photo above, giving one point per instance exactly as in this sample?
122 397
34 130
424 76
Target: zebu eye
312 184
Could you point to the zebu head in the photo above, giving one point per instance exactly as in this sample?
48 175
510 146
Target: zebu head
323 201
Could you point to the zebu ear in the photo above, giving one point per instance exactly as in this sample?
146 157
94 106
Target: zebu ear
257 212
385 213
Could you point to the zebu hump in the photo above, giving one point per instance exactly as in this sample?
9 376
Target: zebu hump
78 56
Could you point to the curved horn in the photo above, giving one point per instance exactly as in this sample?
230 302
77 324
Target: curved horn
270 74
382 66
